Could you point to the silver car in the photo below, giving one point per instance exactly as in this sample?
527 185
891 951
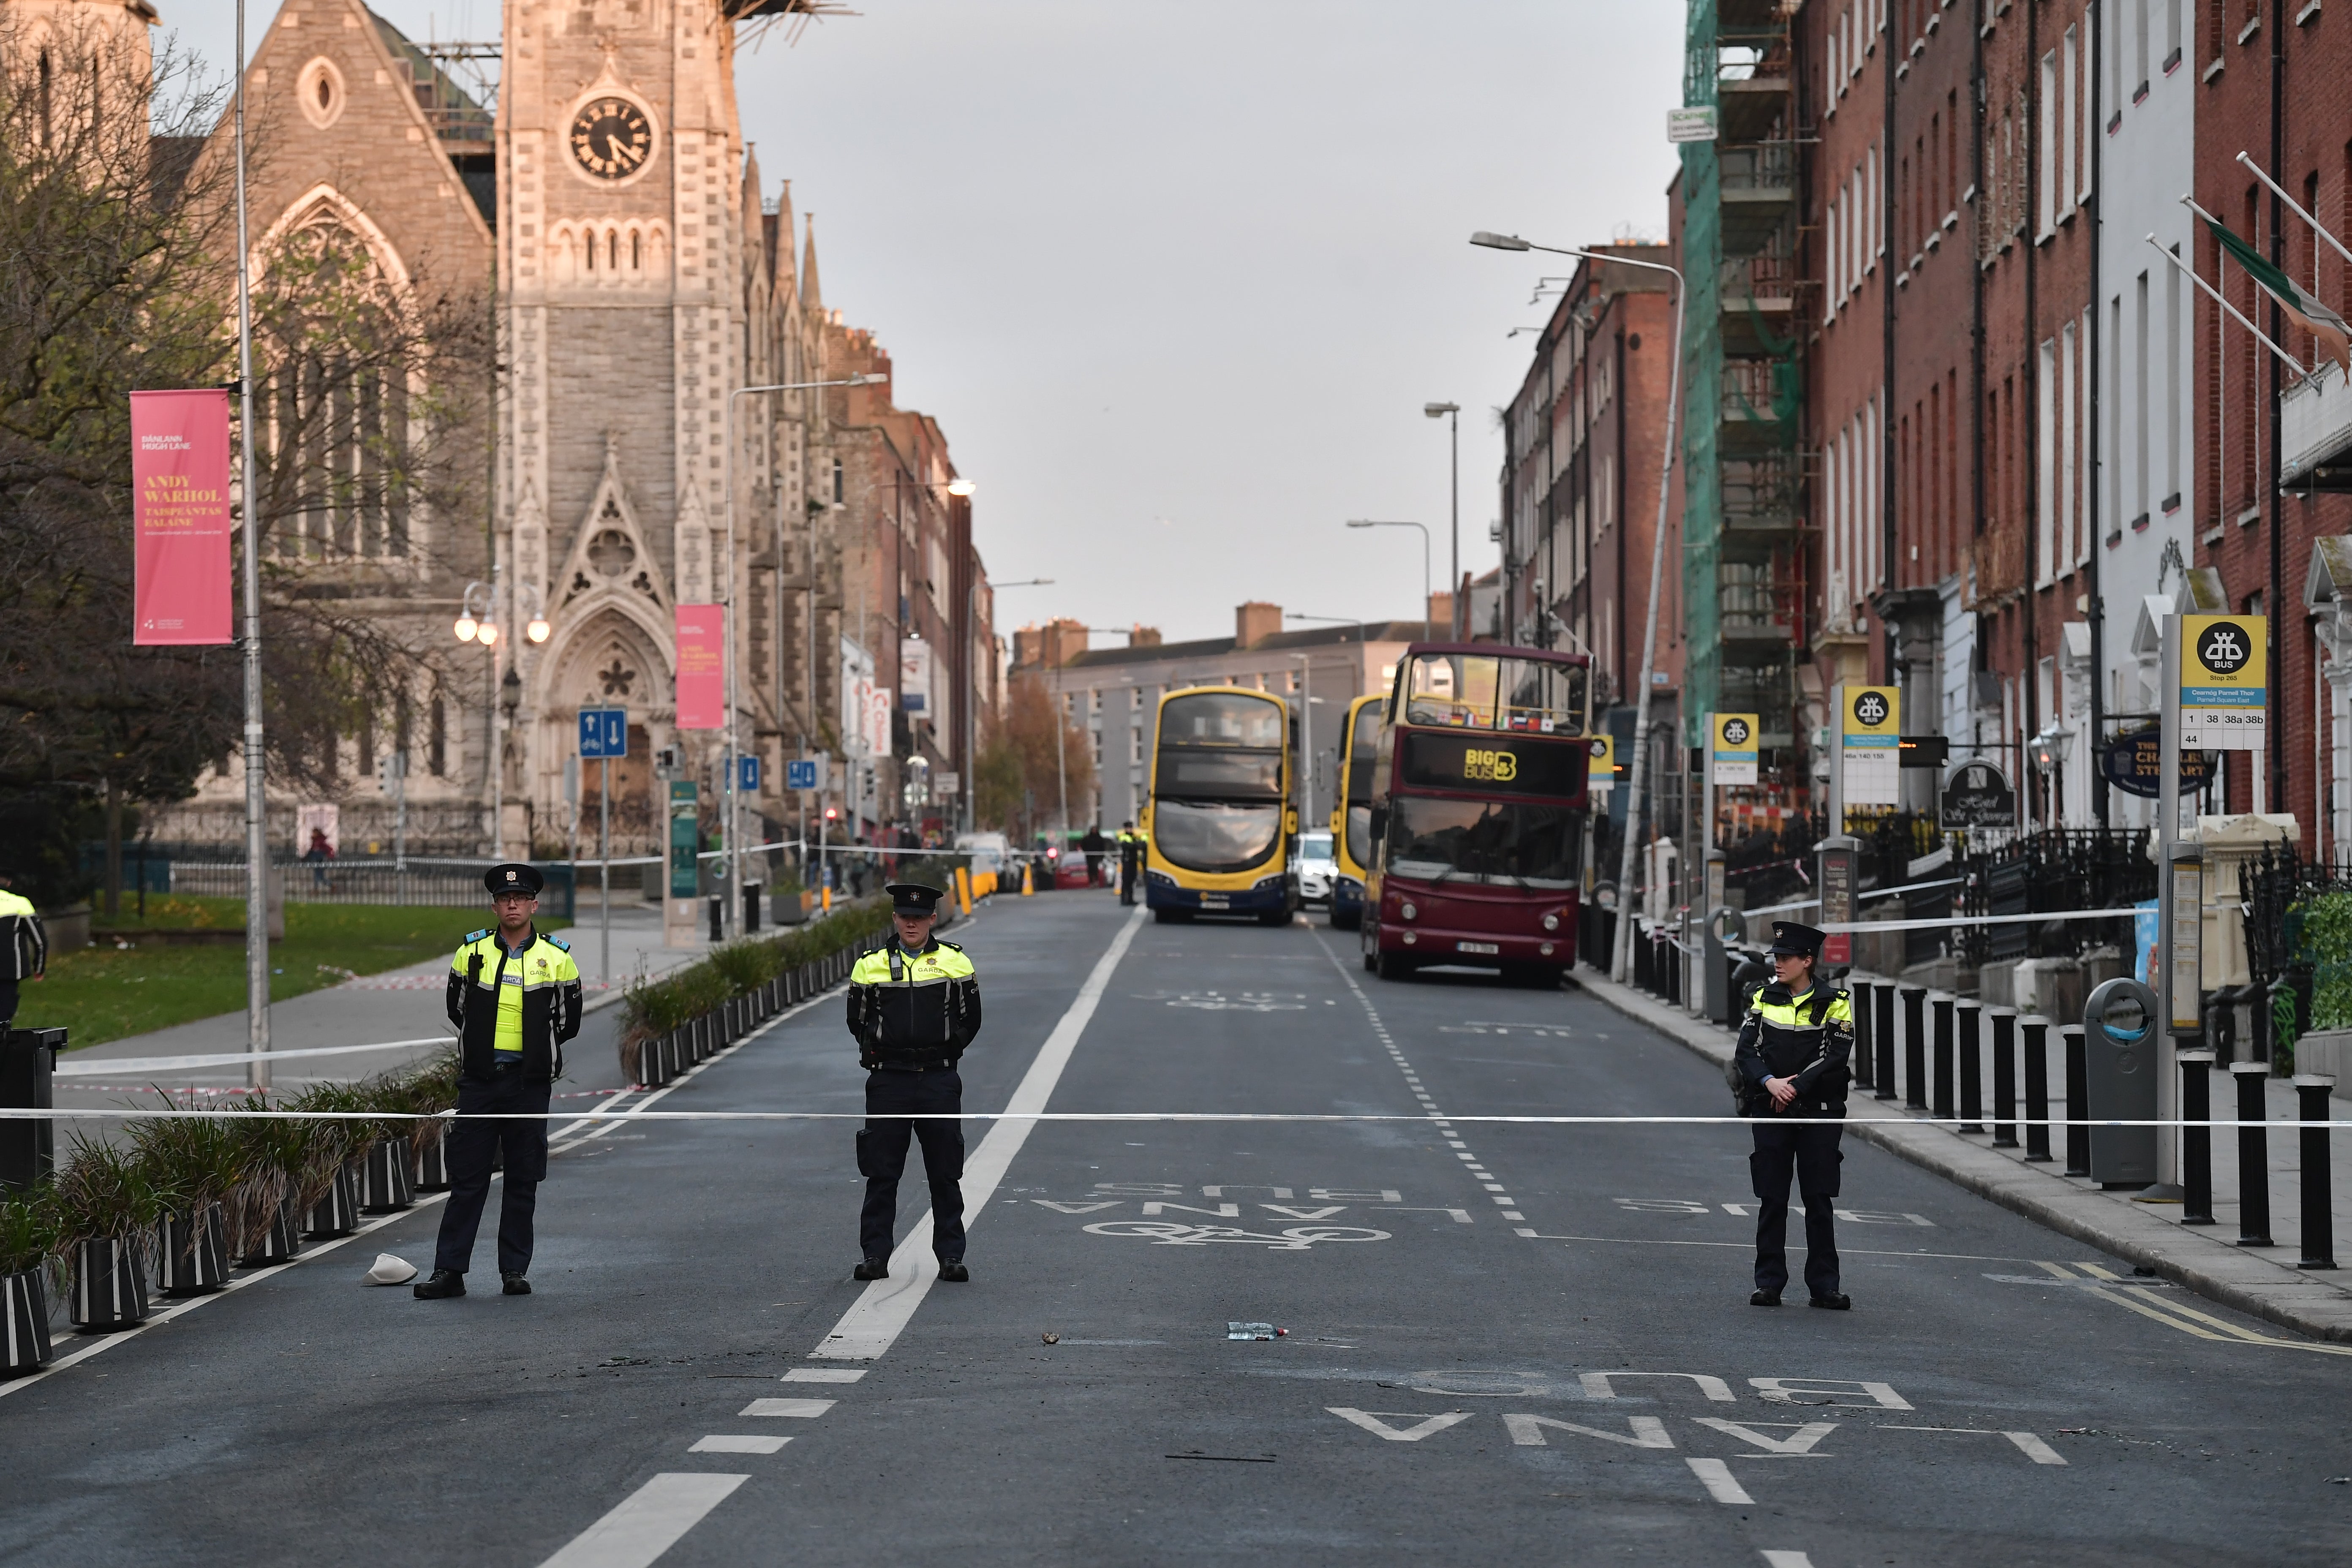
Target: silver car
1315 867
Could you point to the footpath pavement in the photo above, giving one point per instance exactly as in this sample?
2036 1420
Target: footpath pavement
376 1024
2262 1281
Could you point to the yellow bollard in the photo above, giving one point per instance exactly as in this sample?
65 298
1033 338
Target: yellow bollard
828 900
963 888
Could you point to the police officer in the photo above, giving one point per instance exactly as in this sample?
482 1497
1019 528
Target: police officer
913 1006
514 995
24 947
1130 860
1791 1062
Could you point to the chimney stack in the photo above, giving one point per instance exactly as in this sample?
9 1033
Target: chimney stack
1254 622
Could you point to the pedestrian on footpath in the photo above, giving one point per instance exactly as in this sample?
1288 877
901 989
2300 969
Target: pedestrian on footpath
914 1007
1791 1062
514 995
24 947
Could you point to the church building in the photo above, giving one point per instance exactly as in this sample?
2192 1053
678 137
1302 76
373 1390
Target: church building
610 219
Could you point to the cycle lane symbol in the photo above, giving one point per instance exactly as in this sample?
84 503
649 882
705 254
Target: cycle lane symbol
1291 1239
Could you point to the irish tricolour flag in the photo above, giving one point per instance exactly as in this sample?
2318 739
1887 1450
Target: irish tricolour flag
2334 336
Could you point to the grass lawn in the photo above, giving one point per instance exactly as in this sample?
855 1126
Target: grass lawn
104 992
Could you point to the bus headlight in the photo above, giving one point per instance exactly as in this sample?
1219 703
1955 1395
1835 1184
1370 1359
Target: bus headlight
1408 912
1552 922
1412 937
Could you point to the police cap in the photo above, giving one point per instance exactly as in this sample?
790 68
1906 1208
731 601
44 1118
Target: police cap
914 898
513 878
1791 940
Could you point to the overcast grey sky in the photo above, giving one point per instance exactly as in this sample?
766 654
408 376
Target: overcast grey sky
1176 276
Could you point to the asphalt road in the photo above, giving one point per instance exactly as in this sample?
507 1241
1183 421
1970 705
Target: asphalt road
1505 1343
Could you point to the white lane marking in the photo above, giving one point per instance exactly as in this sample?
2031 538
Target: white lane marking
1720 1483
1598 1384
1828 1391
799 1408
1648 1432
1799 1442
1787 1560
2034 1448
876 1319
825 1373
647 1523
737 1443
1370 1421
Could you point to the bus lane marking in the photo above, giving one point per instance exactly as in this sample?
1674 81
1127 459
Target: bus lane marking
1374 1422
1797 1445
2029 1444
1720 1483
1645 1431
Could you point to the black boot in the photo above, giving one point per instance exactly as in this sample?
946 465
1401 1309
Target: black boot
954 1272
1765 1298
516 1285
872 1268
1834 1300
444 1283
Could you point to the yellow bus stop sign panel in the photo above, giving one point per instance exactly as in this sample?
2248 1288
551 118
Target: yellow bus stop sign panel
2224 681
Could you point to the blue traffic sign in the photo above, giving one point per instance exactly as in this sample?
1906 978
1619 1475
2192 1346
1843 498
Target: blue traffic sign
603 733
749 768
800 772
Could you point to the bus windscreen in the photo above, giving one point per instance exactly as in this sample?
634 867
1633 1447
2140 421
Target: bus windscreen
1363 751
1212 837
1501 842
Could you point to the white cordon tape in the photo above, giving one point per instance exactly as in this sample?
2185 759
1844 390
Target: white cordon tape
2123 914
22 1113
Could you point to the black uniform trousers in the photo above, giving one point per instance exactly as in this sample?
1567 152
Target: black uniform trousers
1811 1153
892 1101
7 1003
472 1147
1128 861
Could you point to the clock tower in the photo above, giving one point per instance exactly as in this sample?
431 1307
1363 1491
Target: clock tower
621 303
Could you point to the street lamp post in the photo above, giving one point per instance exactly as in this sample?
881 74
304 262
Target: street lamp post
1624 956
1371 522
257 800
1452 414
730 907
484 629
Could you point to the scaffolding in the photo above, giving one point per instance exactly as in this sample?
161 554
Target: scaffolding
1744 579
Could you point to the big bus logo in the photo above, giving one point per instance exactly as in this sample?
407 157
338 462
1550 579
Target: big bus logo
1490 767
2224 648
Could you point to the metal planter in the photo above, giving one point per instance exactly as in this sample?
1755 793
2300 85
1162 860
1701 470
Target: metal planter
338 1213
110 1287
384 1178
432 1166
24 1323
280 1243
191 1252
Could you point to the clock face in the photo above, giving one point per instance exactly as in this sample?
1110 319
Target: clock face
611 138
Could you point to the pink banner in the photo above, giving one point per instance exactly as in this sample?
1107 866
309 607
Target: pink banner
702 666
180 521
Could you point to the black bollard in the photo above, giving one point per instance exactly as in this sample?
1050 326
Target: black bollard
2195 1141
1883 1032
2310 1092
1941 1098
1915 1047
717 905
1861 990
2037 1091
2078 1094
2004 1077
2253 1154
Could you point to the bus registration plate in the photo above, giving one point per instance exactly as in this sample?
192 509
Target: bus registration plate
1216 901
1478 947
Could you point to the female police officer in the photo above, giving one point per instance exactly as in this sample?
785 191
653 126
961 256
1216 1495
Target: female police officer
1791 1062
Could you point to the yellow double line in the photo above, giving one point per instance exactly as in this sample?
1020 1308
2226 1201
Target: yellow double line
2174 1314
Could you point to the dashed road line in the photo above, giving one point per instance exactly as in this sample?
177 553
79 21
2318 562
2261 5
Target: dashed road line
1508 1207
647 1523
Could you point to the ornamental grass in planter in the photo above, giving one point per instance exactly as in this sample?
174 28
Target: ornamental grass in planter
266 1207
654 1008
27 1253
428 1091
191 1162
105 1208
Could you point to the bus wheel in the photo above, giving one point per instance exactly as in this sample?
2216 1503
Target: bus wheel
1280 917
1394 966
1171 917
1531 976
1345 922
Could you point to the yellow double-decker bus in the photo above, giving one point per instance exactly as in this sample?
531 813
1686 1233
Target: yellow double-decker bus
1352 809
1220 832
